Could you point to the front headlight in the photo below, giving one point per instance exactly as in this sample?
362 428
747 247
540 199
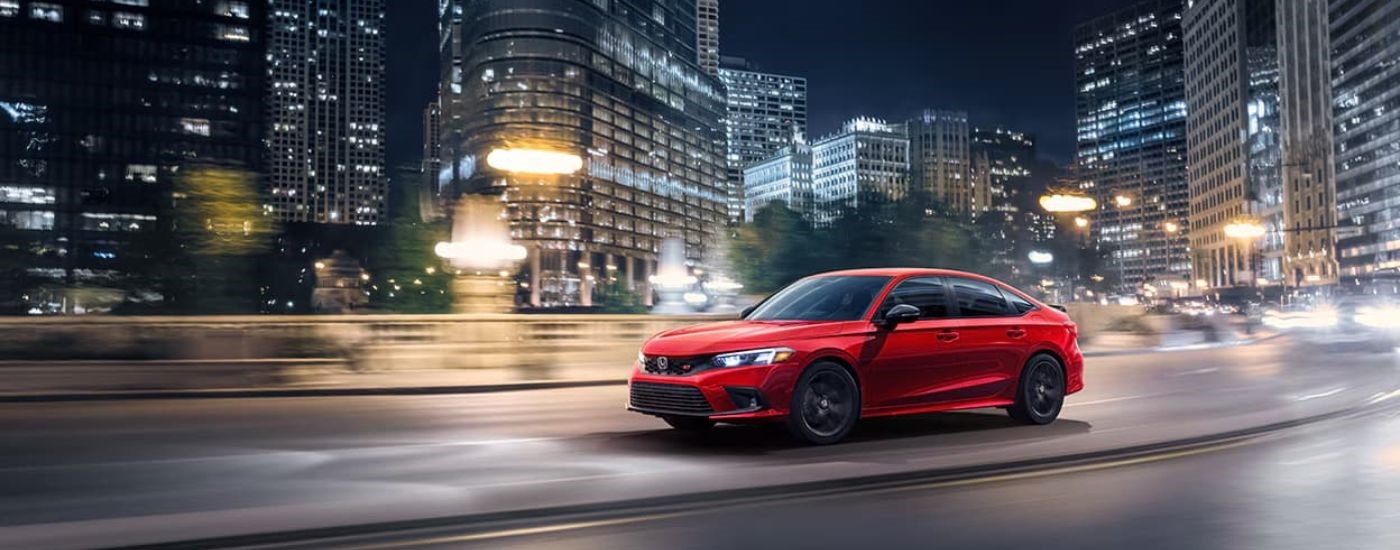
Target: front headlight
641 360
751 358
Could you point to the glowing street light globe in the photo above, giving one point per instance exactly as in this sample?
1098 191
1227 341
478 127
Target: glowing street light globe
1245 229
1063 202
1040 257
534 161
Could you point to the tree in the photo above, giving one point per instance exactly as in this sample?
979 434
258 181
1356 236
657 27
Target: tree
406 276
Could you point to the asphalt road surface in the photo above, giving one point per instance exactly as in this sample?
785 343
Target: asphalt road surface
89 474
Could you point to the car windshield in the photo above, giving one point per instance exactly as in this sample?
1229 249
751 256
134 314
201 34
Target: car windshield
840 298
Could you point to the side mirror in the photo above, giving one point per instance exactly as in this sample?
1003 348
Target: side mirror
744 314
902 313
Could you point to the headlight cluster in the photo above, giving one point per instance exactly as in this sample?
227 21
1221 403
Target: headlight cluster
750 358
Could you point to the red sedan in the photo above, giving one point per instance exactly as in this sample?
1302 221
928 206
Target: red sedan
833 348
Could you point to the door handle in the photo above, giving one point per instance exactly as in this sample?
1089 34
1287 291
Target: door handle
1016 333
947 336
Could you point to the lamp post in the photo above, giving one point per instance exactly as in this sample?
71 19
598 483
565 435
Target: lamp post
1247 230
482 255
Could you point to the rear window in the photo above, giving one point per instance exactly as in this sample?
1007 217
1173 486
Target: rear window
978 299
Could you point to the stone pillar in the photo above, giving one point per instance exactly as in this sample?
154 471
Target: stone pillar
535 276
482 292
646 282
585 279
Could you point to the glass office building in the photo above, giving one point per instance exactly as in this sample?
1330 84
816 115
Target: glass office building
764 113
940 162
594 124
101 105
1130 108
1366 99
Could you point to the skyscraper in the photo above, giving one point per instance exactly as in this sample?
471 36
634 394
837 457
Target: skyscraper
1258 123
707 35
101 106
1305 124
940 162
764 113
602 138
1231 54
326 111
1004 158
1130 105
867 161
1366 92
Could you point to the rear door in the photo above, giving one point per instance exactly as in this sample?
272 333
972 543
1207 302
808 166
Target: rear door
994 336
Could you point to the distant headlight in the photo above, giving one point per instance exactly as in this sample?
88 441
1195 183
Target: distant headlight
756 357
1379 316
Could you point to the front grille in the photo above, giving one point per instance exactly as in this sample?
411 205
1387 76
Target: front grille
669 398
675 365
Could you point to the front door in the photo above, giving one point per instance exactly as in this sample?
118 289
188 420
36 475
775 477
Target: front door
913 363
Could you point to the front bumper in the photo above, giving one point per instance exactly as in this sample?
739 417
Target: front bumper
743 393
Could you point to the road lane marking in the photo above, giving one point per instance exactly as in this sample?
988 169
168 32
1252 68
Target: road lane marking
1328 393
1110 400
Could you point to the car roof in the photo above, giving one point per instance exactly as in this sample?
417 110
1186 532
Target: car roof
904 271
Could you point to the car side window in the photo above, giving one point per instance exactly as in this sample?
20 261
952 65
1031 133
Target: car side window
1019 305
929 294
979 299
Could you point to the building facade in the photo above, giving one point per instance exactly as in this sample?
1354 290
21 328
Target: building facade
325 106
1305 124
1004 158
867 161
707 35
785 177
764 113
940 162
101 106
1366 95
1233 146
1130 107
601 139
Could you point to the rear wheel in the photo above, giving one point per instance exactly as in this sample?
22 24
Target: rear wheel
689 423
1041 394
825 404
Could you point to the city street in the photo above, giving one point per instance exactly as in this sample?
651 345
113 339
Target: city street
84 474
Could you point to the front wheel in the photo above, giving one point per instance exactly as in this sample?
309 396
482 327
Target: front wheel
825 404
689 423
1041 393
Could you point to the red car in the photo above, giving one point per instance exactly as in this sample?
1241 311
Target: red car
833 348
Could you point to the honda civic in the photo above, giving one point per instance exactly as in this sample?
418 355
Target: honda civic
831 349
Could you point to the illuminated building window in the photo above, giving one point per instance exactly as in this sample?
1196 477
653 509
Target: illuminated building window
9 8
196 126
24 194
30 220
138 3
95 17
233 9
232 33
144 173
46 12
122 20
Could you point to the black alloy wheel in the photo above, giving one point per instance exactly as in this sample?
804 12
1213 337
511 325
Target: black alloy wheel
825 404
1041 395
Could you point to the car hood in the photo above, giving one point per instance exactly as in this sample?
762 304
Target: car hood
736 335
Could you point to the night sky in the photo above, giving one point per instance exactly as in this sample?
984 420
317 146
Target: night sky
1007 62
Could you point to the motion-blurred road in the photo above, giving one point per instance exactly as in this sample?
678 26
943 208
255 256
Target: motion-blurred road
105 473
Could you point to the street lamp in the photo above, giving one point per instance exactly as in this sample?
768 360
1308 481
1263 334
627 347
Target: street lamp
1123 201
1040 257
1081 222
1171 228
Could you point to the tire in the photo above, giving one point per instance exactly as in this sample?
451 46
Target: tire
825 404
692 424
1040 395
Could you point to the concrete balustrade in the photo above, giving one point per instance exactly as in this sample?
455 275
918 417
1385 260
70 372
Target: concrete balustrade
224 352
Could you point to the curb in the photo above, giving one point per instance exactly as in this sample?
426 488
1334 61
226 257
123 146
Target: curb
572 517
303 392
